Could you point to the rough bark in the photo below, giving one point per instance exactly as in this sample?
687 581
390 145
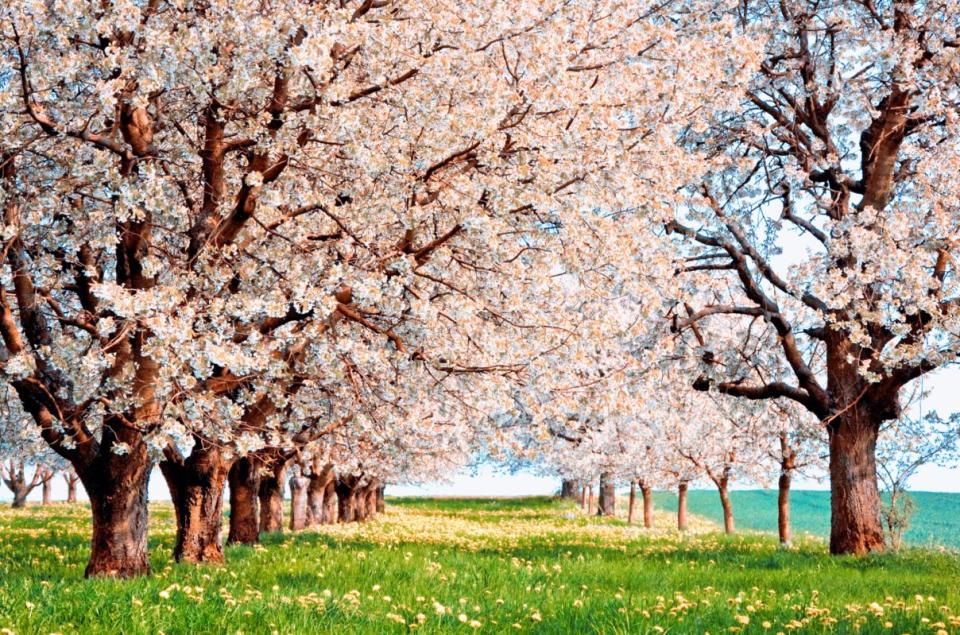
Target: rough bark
569 489
631 509
855 526
244 481
381 502
117 487
47 488
316 493
607 501
71 480
196 489
346 500
271 498
583 499
783 507
647 493
682 505
298 502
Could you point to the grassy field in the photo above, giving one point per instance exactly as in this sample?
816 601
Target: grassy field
528 565
936 521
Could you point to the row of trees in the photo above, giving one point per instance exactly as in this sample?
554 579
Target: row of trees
238 235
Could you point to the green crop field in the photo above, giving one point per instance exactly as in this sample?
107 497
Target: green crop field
439 566
935 522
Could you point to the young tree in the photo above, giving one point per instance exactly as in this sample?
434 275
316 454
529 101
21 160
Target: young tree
831 216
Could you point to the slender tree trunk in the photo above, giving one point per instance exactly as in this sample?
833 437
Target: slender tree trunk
244 480
196 488
589 499
569 489
647 493
723 488
117 487
47 488
783 507
855 525
583 499
682 505
298 502
381 502
633 502
271 498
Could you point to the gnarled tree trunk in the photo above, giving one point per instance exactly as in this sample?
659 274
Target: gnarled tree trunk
196 489
320 479
346 499
855 526
15 478
244 478
647 492
117 487
331 502
682 505
271 497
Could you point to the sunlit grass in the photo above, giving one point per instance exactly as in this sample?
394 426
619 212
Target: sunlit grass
435 566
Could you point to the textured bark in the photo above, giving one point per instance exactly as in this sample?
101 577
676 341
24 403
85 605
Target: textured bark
607 501
319 479
331 503
117 487
647 493
631 510
244 480
271 498
783 507
724 491
682 505
298 502
196 489
47 488
855 526
569 489
381 502
346 499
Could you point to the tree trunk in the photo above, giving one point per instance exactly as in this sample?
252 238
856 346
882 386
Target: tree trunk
331 502
647 493
682 505
583 499
196 490
633 502
298 502
589 499
244 480
855 526
316 491
271 498
47 488
783 507
346 501
723 489
117 487
381 502
71 480
569 489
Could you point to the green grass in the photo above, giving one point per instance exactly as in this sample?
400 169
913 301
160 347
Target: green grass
530 565
935 522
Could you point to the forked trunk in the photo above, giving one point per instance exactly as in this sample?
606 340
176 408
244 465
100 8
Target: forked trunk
71 480
855 526
244 480
647 493
633 502
298 502
117 487
271 499
783 507
682 505
196 490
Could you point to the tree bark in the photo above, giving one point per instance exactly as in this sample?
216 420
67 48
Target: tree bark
298 502
682 505
196 489
331 502
633 502
723 489
783 507
647 493
583 499
271 498
589 508
244 480
71 480
346 501
569 489
855 526
47 488
117 487
381 502
316 493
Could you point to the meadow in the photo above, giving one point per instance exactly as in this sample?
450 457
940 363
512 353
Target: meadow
437 566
